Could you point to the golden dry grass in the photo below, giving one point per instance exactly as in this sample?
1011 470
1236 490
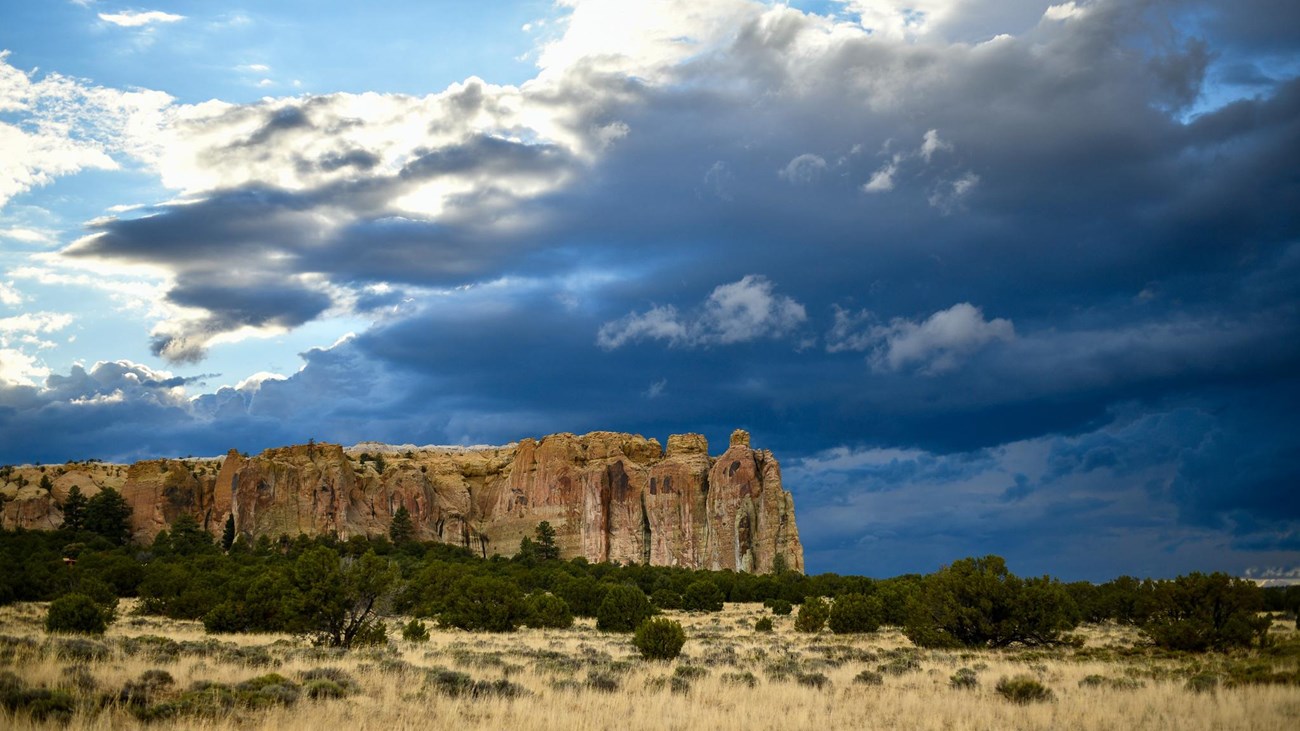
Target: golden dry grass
395 695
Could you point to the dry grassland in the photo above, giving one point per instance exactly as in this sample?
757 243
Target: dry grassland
580 680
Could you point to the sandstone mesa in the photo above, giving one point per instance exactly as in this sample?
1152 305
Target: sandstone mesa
610 496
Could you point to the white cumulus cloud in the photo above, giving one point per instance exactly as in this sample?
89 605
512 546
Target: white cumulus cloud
9 295
733 313
935 345
138 18
803 169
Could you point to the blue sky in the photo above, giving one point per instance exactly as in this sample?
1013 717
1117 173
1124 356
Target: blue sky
988 276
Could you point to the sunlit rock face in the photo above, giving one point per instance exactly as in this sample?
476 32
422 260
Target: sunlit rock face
610 497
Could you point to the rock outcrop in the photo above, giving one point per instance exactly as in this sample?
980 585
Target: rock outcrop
610 496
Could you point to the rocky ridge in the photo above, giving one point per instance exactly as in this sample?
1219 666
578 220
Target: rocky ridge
610 496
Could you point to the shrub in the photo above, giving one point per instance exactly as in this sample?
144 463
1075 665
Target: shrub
41 704
977 602
547 610
271 689
224 618
869 677
328 683
666 599
456 684
583 594
415 631
779 607
1202 683
703 596
484 604
853 613
77 649
603 681
624 608
1199 612
964 679
690 672
659 638
763 624
77 613
1023 689
744 678
813 680
1093 681
812 614
322 688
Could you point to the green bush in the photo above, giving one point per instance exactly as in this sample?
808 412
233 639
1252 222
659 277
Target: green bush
328 683
1200 612
666 599
77 613
1023 689
690 672
813 614
977 602
41 704
964 679
547 610
763 624
415 631
855 613
485 604
779 607
813 680
659 638
703 596
869 677
624 608
583 594
224 618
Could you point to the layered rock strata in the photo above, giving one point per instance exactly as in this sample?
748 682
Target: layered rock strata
610 496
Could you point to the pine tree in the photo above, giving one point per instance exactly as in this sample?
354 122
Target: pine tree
401 531
74 510
546 548
109 515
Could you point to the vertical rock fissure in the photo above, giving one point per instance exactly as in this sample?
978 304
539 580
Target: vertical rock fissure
645 532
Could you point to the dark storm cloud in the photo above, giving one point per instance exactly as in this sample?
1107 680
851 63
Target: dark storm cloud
486 155
1040 302
279 121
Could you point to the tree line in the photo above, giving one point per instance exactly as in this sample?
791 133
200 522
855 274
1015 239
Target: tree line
338 591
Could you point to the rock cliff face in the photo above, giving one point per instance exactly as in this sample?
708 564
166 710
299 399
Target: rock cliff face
610 497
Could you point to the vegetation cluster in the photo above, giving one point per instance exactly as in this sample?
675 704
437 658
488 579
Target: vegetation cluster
337 593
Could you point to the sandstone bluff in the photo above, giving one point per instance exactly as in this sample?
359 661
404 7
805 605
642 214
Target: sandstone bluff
610 496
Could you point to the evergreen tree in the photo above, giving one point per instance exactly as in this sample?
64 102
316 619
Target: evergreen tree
74 510
812 615
109 515
401 531
527 551
188 538
624 607
485 604
546 548
977 602
46 483
339 605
